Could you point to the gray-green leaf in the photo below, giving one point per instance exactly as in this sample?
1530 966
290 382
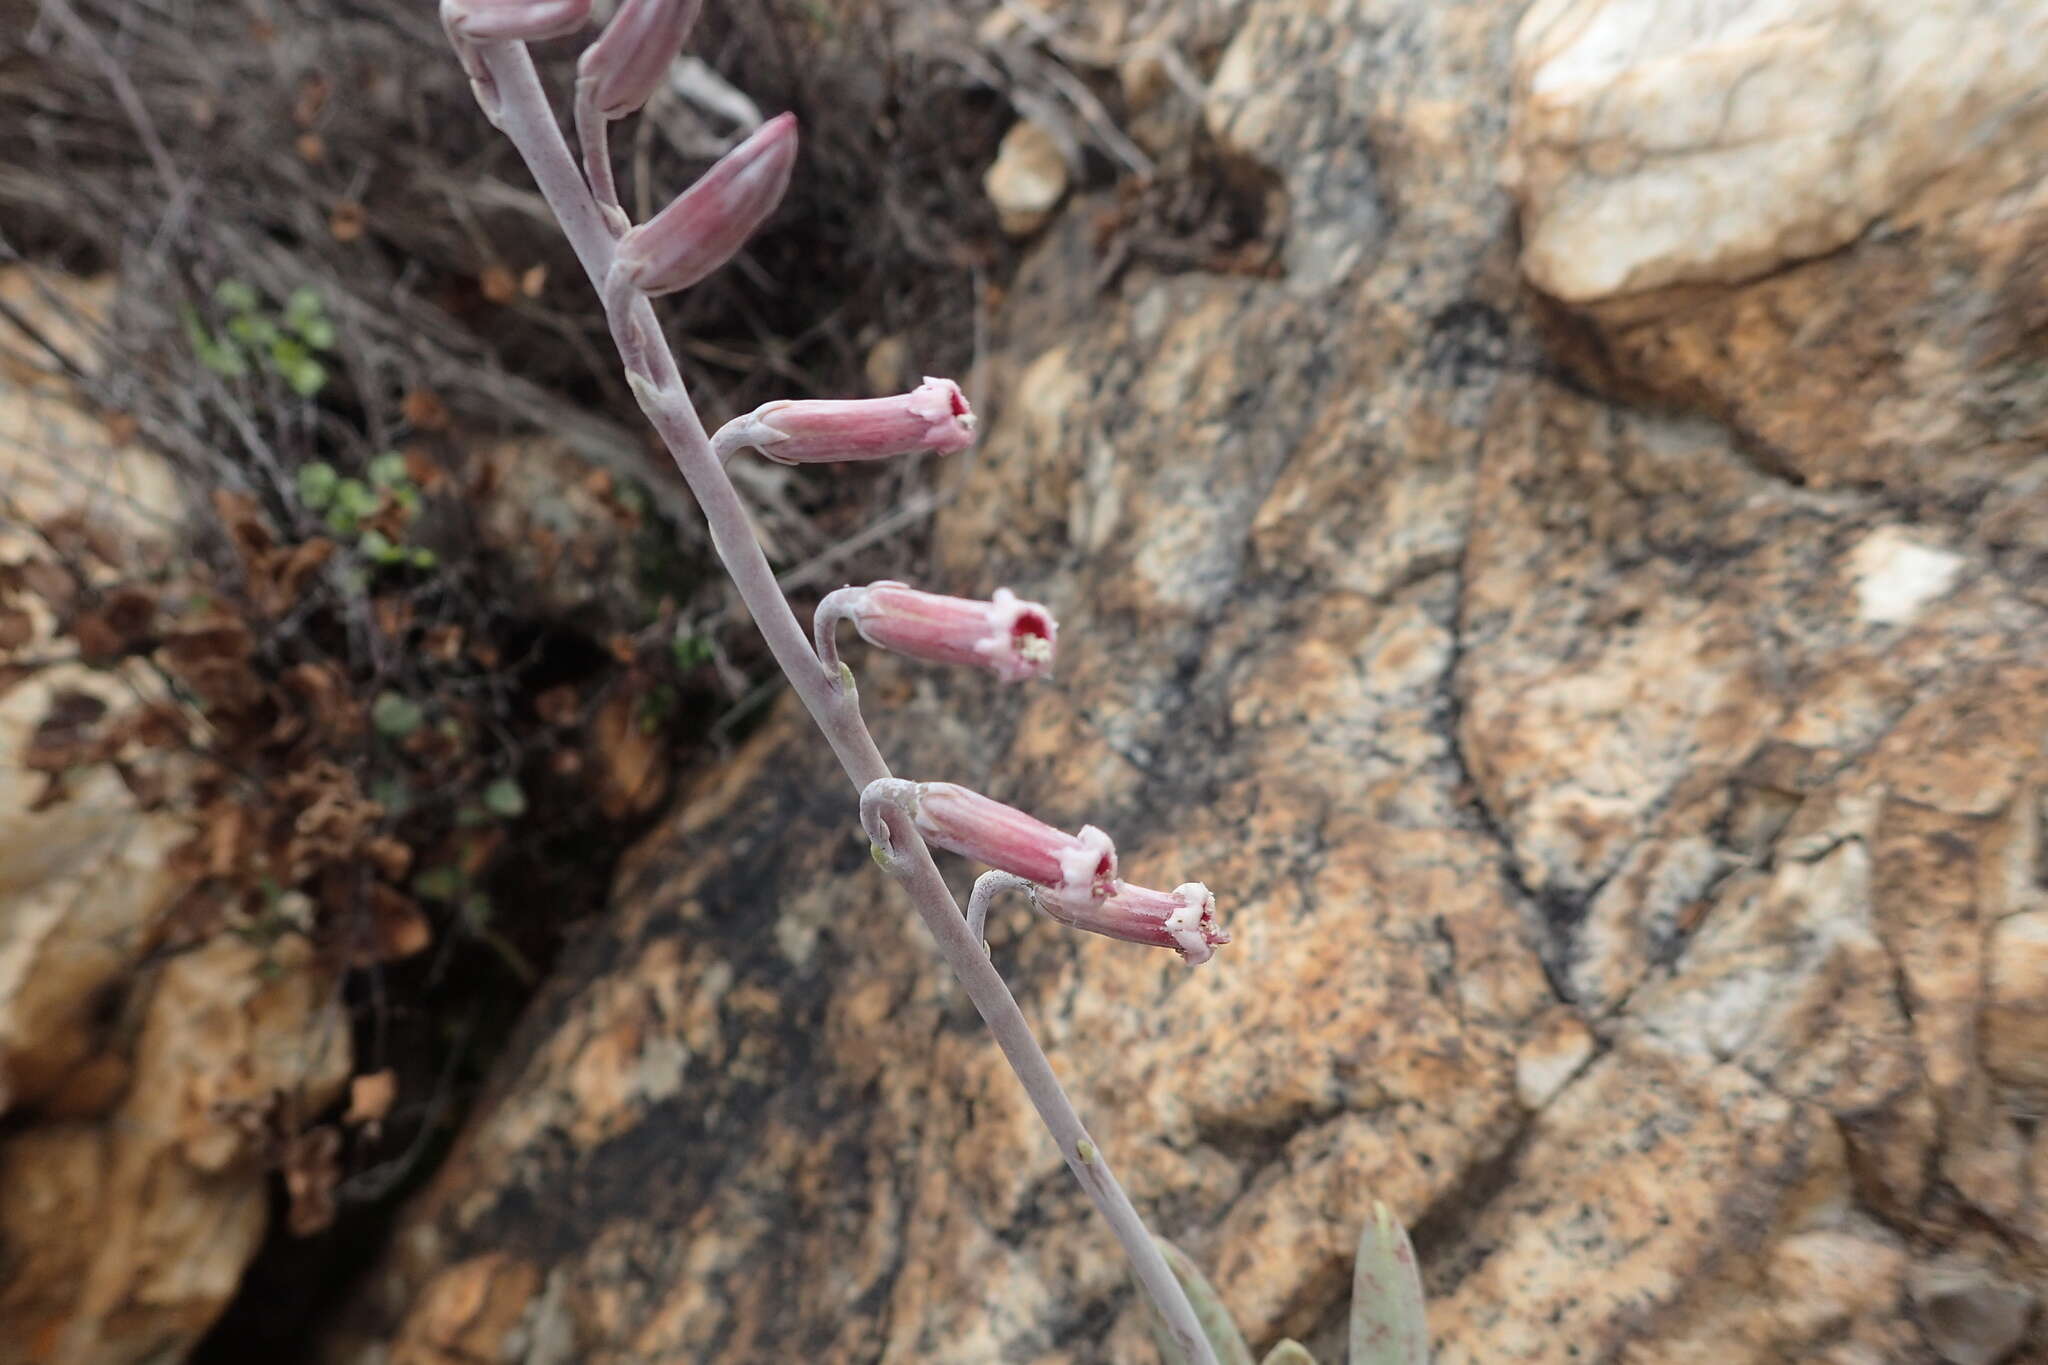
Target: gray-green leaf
1215 1320
237 296
1289 1352
316 484
504 799
395 716
1389 1321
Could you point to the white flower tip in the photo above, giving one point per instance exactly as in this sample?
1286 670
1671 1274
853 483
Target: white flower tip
1193 926
1088 868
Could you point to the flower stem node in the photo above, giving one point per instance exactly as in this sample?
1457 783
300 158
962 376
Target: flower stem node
708 223
1010 637
518 21
933 416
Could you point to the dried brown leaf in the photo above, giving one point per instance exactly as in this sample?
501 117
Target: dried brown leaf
632 763
68 735
391 857
242 518
559 706
370 1096
312 1169
347 221
498 284
443 643
425 410
397 928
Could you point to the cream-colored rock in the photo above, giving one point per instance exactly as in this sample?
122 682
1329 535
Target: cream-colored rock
1558 1047
2016 1013
1660 142
1896 574
55 456
127 1237
1027 179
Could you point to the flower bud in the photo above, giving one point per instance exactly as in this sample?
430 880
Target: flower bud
1075 869
709 222
1183 919
933 416
629 59
495 21
1008 636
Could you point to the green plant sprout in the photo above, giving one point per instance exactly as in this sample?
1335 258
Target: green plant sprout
344 504
284 341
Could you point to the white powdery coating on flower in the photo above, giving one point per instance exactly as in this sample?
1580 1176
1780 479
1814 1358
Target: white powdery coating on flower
1193 923
1087 867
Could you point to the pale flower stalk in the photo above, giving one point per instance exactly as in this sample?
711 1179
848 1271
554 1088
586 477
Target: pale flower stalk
616 76
696 234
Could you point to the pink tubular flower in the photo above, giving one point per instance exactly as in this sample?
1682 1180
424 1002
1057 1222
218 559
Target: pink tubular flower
623 67
932 416
1010 637
1075 869
1183 919
492 21
709 222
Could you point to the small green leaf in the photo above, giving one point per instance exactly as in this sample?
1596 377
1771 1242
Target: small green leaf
393 795
442 882
316 484
237 296
1389 1320
317 333
504 799
689 651
408 499
306 378
306 375
423 558
1215 1320
224 358
387 470
342 521
304 306
254 329
376 547
355 497
395 716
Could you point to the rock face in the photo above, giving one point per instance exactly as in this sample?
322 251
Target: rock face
1586 620
135 1078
